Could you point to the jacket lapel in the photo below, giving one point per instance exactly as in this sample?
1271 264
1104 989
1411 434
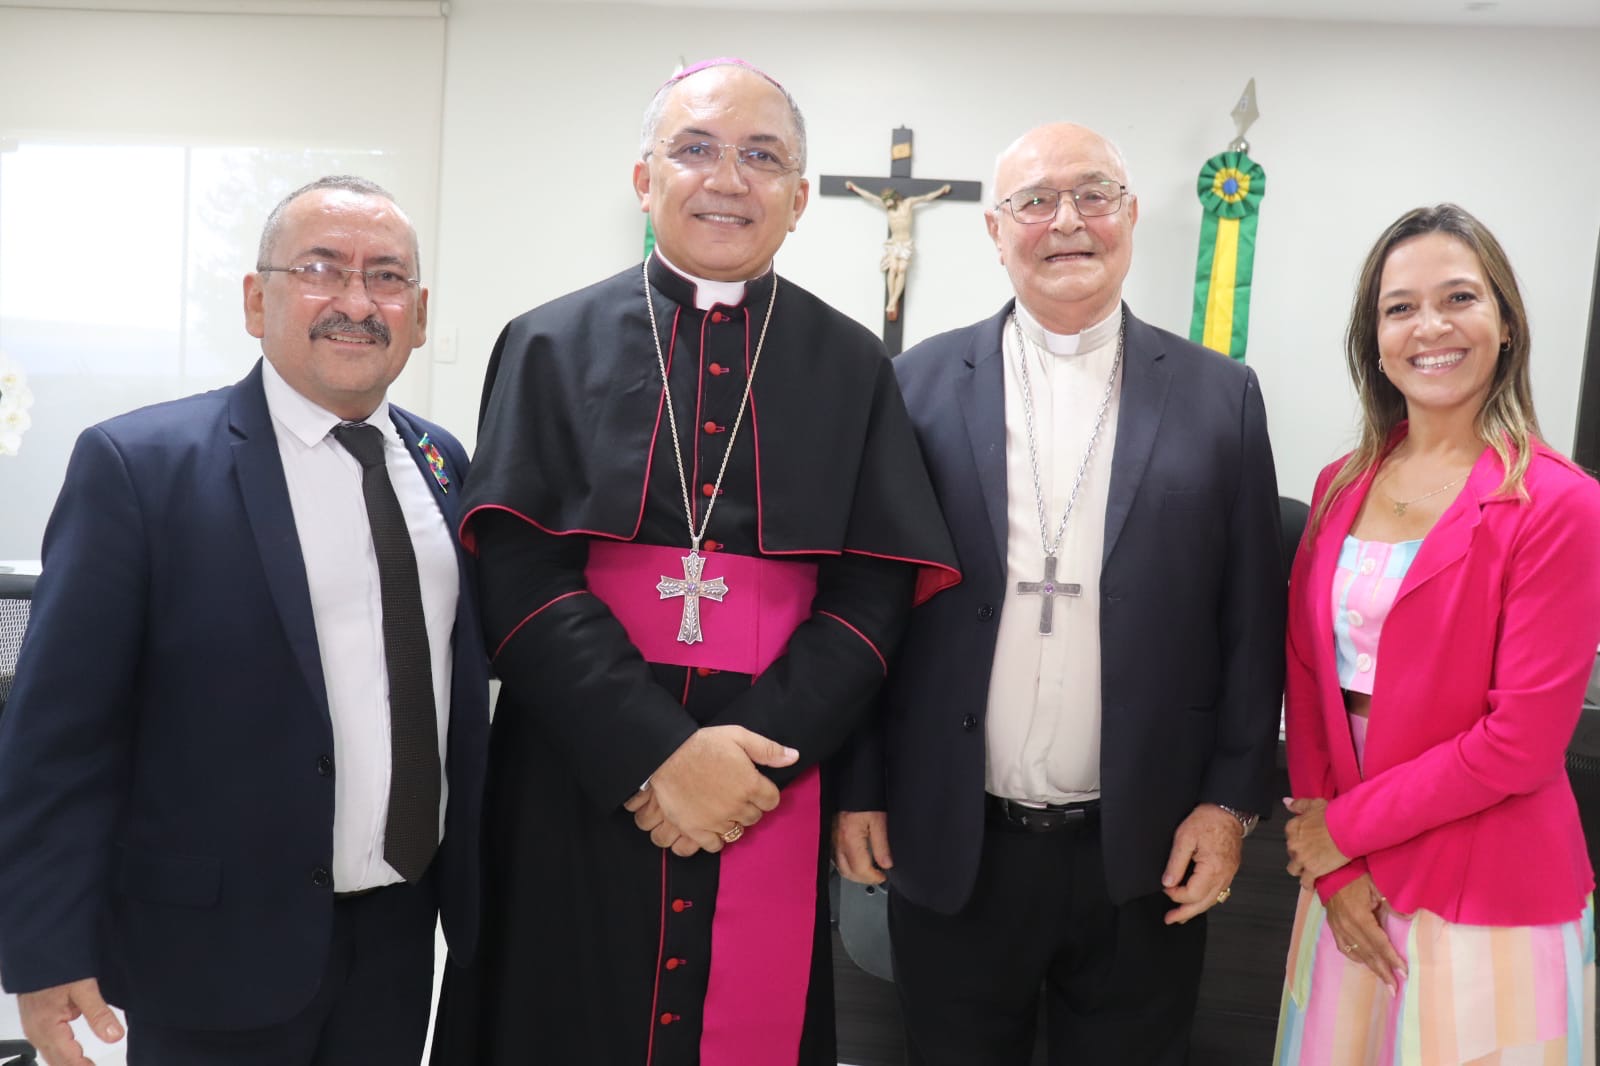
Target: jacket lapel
1336 523
1145 378
1444 544
983 407
1451 536
448 502
445 484
259 469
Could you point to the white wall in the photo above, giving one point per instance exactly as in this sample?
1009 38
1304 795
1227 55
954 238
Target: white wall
296 95
511 130
1359 123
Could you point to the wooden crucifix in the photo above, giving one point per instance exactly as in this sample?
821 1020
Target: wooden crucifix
898 195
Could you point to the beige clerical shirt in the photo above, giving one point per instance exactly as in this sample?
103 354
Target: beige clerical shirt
1043 722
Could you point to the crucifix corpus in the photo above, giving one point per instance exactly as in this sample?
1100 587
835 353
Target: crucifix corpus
898 196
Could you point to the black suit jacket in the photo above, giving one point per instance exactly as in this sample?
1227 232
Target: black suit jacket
166 788
1191 612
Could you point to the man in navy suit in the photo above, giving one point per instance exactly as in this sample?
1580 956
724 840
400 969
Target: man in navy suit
1075 739
241 766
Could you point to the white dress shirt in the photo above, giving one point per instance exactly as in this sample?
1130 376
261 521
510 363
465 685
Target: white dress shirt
330 517
1042 727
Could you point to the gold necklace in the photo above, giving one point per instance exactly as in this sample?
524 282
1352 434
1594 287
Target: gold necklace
1401 505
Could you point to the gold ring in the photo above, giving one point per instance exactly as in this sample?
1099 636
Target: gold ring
1351 946
1222 897
733 834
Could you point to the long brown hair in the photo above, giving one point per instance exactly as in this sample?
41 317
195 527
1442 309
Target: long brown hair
1505 422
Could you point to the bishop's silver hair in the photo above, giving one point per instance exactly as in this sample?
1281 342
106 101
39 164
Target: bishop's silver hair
658 104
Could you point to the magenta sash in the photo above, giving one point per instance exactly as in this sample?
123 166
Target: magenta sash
765 919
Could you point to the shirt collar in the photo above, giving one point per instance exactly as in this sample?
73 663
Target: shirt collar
308 422
1095 337
708 293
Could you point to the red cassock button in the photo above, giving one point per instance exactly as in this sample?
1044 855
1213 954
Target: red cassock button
718 316
681 905
668 1019
706 671
717 369
712 545
707 489
672 964
711 427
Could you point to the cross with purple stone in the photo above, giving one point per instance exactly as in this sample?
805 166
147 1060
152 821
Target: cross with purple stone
1049 589
691 588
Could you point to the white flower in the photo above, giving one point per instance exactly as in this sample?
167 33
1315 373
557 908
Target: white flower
14 419
15 399
15 395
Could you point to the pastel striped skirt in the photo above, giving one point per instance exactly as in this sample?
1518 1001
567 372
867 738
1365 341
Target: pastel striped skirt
1478 995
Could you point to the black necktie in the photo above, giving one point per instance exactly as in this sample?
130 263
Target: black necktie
411 832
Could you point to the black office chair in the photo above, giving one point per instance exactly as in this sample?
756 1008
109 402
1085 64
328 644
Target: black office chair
1583 766
17 1053
1293 515
16 597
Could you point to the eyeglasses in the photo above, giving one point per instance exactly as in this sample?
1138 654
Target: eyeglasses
1092 199
697 153
382 282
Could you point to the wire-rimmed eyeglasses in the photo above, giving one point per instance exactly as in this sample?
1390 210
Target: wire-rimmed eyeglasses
701 153
381 282
1040 203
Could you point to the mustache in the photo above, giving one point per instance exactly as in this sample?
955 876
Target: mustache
339 322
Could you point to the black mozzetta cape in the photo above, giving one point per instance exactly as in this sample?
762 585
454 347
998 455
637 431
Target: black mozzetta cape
595 941
572 407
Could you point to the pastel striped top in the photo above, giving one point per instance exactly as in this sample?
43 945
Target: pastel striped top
1364 589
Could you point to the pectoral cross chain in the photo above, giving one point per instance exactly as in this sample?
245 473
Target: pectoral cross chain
691 588
1049 588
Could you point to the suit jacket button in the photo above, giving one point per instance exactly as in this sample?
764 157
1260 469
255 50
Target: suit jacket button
325 765
321 877
986 612
969 722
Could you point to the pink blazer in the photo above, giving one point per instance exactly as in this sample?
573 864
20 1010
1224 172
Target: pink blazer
1465 809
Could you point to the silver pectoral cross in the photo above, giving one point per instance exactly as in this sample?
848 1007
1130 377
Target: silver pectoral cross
691 588
1049 588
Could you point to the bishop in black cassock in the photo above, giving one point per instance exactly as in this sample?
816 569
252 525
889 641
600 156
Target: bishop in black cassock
599 947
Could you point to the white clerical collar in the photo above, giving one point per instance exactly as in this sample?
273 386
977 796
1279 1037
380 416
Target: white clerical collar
306 420
1096 336
708 293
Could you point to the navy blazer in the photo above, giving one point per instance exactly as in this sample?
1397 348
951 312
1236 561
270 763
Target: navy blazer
1191 612
166 788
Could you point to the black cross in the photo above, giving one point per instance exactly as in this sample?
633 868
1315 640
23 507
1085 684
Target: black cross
901 181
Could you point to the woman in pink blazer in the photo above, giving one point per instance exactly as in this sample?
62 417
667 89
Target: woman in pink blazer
1446 915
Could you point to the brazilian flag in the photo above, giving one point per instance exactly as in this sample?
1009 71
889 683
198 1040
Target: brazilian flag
1231 186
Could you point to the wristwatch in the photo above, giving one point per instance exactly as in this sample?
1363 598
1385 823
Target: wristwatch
1247 822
